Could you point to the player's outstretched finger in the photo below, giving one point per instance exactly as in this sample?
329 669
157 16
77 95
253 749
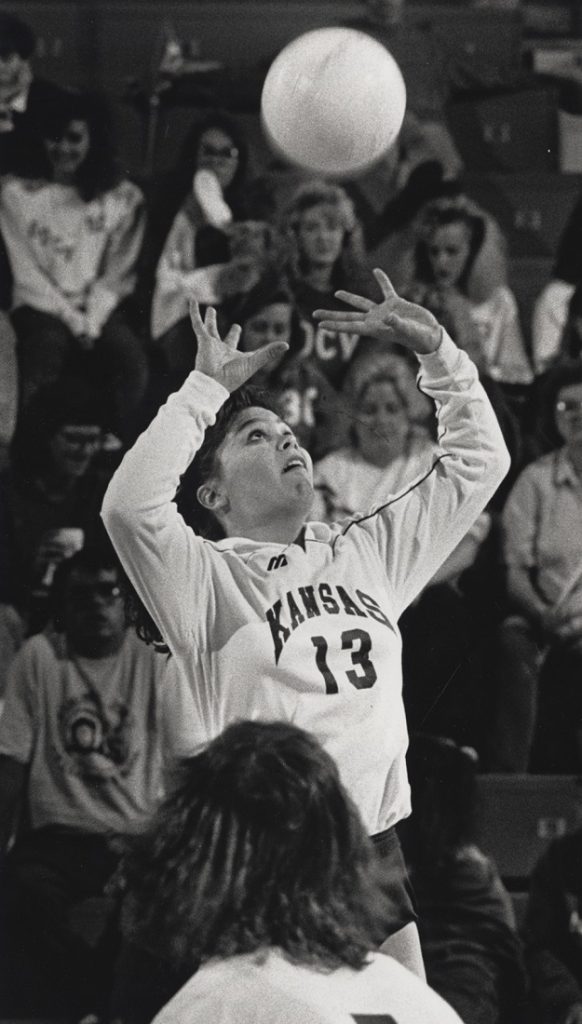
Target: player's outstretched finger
335 314
195 318
268 354
232 338
210 322
358 301
356 326
388 290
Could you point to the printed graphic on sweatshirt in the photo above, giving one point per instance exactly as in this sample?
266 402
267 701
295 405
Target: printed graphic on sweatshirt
96 743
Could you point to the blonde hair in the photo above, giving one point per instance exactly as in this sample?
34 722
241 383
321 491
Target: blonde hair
322 193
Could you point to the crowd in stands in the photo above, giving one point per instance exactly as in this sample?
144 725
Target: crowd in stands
96 275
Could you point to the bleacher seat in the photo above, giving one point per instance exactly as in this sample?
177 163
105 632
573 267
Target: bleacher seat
532 209
518 815
514 131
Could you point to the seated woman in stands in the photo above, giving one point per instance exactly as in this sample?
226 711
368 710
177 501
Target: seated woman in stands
192 213
326 253
389 438
73 238
460 268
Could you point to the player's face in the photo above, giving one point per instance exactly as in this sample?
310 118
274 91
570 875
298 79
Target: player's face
382 424
218 153
320 235
448 252
263 471
569 414
94 611
68 150
272 323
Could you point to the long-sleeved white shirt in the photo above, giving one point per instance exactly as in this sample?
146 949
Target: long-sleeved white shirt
74 259
307 631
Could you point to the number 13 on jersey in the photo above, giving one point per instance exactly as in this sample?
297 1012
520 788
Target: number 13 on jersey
359 644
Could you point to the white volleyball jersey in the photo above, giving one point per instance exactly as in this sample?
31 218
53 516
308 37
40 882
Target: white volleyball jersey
306 632
268 989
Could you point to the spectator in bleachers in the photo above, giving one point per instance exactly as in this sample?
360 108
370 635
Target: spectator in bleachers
390 444
191 217
73 237
305 399
326 252
87 733
543 557
24 99
459 267
272 889
553 933
55 483
550 313
467 927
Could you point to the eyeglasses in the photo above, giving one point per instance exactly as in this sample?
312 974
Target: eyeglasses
78 440
85 592
569 406
227 152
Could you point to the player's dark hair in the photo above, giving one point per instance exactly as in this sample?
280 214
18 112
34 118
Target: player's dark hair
258 846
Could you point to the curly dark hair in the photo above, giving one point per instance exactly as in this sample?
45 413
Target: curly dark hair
100 171
201 521
258 846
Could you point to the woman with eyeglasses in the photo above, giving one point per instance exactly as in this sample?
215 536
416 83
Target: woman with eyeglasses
198 200
542 545
73 237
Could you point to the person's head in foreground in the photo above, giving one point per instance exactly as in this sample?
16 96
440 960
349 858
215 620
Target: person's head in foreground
258 847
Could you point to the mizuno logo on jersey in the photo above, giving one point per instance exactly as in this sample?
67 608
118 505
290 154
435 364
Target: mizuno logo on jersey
311 602
277 562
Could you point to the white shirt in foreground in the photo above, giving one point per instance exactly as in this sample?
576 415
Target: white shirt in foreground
270 990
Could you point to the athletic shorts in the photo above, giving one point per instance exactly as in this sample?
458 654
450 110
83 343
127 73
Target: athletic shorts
395 880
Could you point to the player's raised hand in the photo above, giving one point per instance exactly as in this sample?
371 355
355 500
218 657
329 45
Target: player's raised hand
393 319
220 359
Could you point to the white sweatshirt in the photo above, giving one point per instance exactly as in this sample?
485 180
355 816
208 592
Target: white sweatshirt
71 258
306 632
